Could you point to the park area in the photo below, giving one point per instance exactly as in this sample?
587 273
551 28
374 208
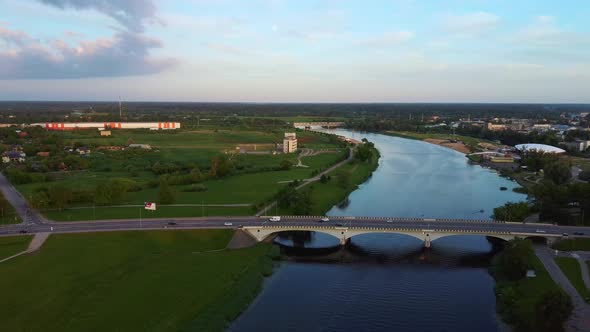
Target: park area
188 173
131 281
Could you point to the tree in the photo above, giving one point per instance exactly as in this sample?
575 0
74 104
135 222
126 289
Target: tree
512 211
220 166
166 194
59 196
558 172
324 178
552 310
513 262
285 165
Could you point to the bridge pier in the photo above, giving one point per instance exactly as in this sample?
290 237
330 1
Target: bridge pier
427 241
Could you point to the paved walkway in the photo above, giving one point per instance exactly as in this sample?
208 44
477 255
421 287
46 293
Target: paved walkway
580 319
28 215
311 180
35 245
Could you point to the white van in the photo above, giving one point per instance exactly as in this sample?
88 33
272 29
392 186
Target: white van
275 218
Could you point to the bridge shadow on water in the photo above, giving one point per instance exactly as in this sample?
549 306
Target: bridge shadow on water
461 250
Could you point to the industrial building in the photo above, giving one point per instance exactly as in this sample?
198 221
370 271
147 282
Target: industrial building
577 145
108 125
289 143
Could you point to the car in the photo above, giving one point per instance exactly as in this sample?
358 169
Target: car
339 225
227 223
171 223
578 233
275 218
565 234
540 231
23 231
324 219
389 220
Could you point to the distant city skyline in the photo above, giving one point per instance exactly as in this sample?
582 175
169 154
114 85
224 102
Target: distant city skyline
535 51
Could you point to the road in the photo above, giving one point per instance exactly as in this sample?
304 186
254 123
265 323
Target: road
236 222
580 318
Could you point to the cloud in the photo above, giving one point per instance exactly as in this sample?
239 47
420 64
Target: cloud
132 14
123 54
545 39
387 39
471 23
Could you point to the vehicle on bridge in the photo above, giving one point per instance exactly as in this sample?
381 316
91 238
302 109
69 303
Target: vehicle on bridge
324 219
275 218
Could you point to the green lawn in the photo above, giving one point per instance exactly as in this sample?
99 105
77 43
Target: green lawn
571 268
10 245
103 213
581 244
131 281
527 292
8 214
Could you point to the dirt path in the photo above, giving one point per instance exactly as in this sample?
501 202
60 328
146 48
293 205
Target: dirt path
458 146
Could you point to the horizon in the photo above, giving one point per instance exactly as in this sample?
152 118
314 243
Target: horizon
281 51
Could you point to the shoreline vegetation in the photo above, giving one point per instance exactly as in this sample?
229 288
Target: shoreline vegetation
94 281
527 304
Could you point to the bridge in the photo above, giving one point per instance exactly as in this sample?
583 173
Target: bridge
426 230
318 124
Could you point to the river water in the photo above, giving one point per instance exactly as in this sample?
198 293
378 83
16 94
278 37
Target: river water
385 282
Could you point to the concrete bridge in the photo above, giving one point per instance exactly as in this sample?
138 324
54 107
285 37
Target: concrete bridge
427 235
318 124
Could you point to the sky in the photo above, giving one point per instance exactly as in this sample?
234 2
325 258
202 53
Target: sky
296 51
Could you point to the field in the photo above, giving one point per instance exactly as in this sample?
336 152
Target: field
581 244
11 245
255 178
571 268
527 293
131 281
7 213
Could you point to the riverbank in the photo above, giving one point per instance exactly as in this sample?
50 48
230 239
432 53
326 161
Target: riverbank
98 281
462 144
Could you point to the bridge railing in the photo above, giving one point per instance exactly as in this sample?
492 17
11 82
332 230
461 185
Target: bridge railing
434 220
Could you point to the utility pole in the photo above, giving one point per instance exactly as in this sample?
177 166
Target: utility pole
140 224
120 109
202 208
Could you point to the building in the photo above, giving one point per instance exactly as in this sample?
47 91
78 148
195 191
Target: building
43 154
577 145
289 143
83 150
141 146
105 133
14 156
496 127
539 147
108 125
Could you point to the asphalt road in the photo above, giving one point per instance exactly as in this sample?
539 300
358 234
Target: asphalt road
236 222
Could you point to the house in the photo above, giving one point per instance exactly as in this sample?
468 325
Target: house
496 127
111 148
22 134
83 150
14 156
141 146
43 154
105 133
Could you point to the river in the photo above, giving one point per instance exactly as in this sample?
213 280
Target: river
384 282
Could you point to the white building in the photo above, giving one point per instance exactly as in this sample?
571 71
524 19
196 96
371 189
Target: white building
290 143
577 145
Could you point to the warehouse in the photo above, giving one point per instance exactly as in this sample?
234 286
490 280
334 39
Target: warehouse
108 125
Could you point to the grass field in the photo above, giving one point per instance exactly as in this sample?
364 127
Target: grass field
103 213
8 214
10 245
571 268
528 291
131 281
581 244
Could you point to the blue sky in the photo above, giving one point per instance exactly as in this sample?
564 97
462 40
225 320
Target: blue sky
296 51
